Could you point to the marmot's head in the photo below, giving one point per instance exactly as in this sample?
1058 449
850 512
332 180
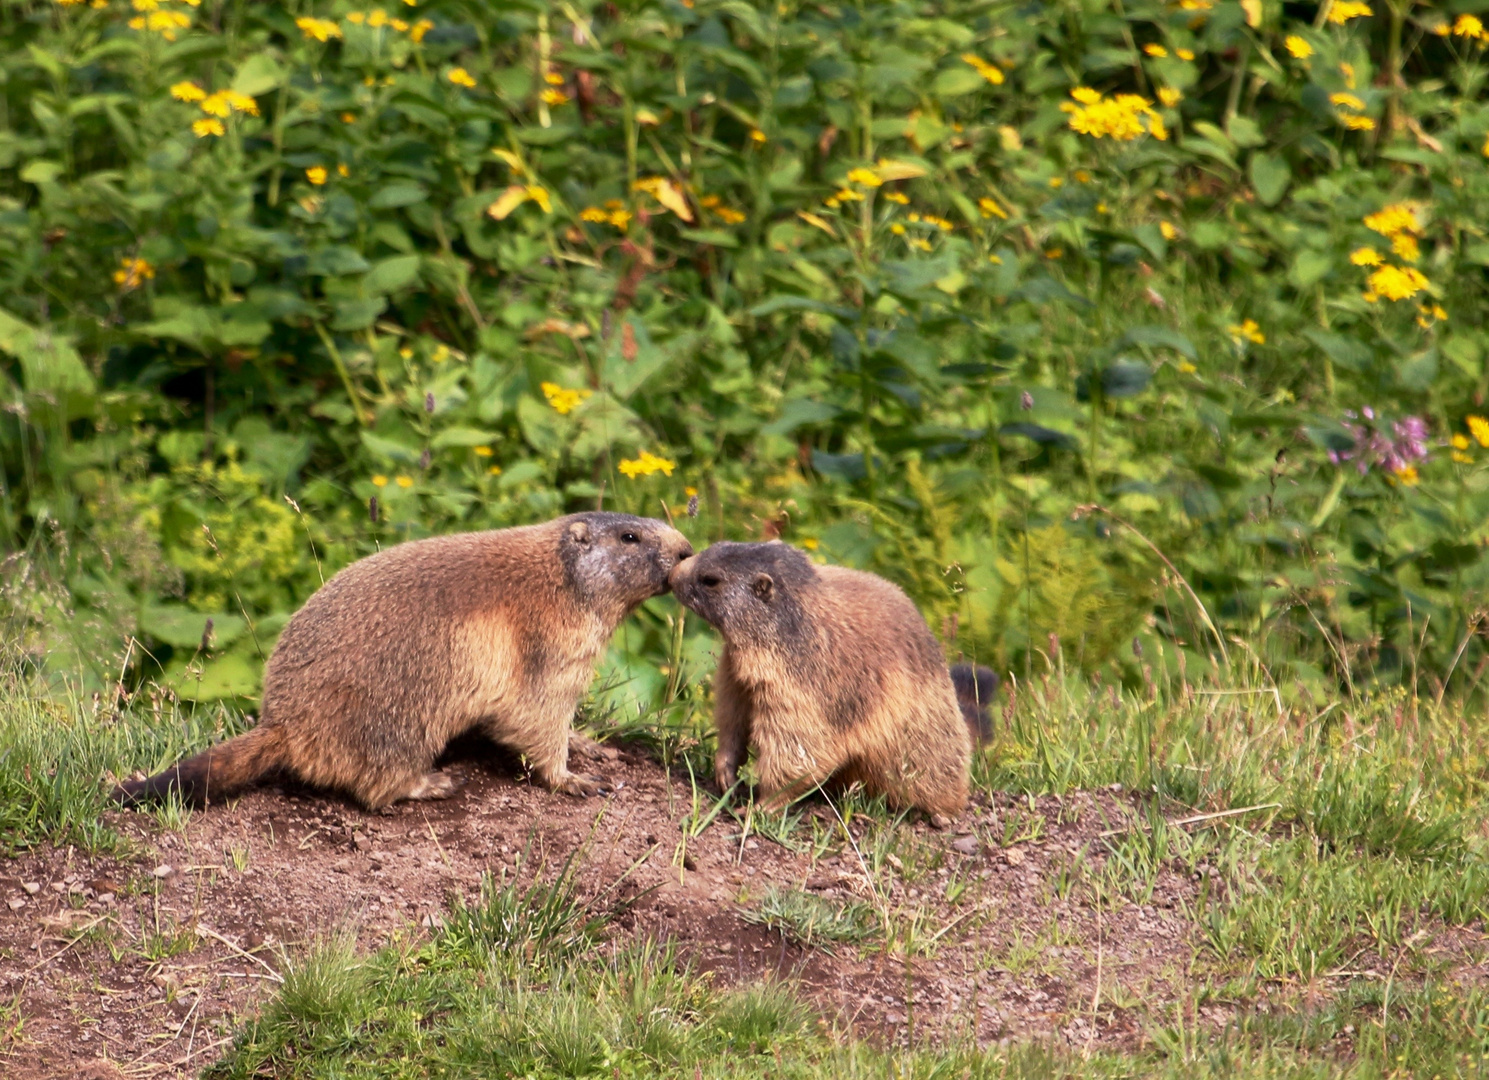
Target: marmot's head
620 558
751 592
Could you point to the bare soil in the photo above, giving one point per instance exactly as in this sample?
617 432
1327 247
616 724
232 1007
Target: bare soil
145 966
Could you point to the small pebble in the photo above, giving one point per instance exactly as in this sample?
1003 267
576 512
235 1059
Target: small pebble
966 845
164 870
32 888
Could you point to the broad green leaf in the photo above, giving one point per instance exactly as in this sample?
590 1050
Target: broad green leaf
1309 268
224 677
258 75
182 628
399 193
390 275
463 437
390 449
1270 176
49 362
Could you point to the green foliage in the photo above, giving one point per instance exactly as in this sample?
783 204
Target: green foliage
813 920
911 281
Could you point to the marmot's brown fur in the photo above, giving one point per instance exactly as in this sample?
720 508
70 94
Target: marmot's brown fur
406 649
828 673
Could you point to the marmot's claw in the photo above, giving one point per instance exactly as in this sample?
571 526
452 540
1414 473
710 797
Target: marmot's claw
582 786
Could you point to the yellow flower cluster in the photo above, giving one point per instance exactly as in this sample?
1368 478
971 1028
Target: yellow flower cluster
564 401
613 213
133 273
164 23
1156 51
460 77
1342 11
1351 112
1395 283
553 96
316 174
322 30
645 465
727 214
515 196
1247 330
1122 118
990 208
1170 96
1480 428
990 72
1470 26
218 107
669 194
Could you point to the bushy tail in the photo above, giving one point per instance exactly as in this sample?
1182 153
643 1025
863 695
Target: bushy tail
214 773
976 687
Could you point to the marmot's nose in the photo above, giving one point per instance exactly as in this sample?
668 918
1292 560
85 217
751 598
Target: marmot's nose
680 571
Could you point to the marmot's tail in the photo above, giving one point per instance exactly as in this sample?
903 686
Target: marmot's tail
214 773
976 686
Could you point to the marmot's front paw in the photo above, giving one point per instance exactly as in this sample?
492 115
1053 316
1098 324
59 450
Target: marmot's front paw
726 778
582 786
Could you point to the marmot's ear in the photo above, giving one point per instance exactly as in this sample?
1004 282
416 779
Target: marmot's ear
763 586
579 532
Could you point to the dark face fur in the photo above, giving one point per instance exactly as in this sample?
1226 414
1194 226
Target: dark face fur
620 556
749 592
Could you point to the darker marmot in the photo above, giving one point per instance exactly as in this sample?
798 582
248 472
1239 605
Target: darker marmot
828 673
406 649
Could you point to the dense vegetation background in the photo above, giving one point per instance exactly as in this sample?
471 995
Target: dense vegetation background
1139 337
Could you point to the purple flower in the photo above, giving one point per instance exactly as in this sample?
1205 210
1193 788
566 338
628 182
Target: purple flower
1405 444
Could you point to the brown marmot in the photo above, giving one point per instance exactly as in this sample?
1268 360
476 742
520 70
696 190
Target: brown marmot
828 673
402 651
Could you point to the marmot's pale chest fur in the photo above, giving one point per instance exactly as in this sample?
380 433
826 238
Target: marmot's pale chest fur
827 673
404 650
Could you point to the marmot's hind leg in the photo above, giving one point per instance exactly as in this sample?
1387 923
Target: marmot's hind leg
434 785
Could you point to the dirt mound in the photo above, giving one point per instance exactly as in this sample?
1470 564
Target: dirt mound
147 965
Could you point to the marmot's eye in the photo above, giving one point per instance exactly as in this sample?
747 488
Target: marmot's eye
630 538
708 580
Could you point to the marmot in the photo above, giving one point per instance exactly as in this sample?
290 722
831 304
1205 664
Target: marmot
827 672
404 650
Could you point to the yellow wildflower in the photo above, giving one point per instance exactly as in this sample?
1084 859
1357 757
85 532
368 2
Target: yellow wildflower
756 135
441 353
1348 71
322 30
398 24
460 77
377 17
553 78
897 229
419 29
1347 101
810 543
1461 458
1168 230
187 91
1081 176
996 260
133 273
1186 368
1393 219
495 470
848 195
595 214
1342 11
1397 282
553 96
1365 256
1469 26
1405 247
379 480
404 481
990 208
1407 474
357 18
316 174
1170 96
897 197
1479 427
645 465
1054 253
216 105
483 451
991 72
348 118
1184 54
1357 123
728 215
864 177
1248 330
1122 118
1155 50
205 126
164 23
564 401
342 170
